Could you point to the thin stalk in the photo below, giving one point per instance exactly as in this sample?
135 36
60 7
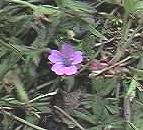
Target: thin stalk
23 121
110 67
133 126
24 3
125 30
127 109
34 7
42 96
69 117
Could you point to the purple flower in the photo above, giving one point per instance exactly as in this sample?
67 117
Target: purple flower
66 60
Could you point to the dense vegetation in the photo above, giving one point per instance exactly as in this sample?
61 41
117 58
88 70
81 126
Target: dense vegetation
104 92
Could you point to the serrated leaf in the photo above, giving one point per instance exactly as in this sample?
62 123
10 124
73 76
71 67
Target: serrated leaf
103 86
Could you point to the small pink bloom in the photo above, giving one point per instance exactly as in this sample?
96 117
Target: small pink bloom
66 60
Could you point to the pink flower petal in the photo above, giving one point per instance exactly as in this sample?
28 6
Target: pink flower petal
55 56
70 70
58 69
67 50
77 58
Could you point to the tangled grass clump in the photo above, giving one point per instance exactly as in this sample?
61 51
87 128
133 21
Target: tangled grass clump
71 64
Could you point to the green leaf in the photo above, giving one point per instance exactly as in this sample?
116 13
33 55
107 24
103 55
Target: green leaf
103 86
85 116
12 77
132 6
95 32
139 6
129 5
132 86
76 6
39 9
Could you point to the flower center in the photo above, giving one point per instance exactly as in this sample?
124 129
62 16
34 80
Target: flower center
67 62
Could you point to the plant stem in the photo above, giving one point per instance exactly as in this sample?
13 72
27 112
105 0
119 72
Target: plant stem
23 121
127 109
68 116
24 3
110 67
42 96
125 30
